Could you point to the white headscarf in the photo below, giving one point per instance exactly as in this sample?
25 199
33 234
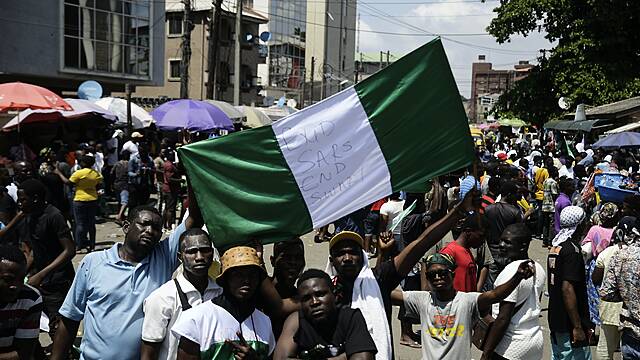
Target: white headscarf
367 297
570 218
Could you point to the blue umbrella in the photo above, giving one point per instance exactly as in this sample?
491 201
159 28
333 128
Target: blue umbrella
191 115
620 140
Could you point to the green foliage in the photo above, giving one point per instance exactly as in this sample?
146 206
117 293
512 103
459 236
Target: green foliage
596 59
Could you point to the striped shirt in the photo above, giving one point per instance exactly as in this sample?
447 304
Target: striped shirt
486 201
20 319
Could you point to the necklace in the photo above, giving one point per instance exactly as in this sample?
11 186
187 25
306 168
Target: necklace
442 321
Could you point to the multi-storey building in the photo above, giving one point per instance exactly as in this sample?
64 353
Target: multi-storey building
59 44
488 83
250 56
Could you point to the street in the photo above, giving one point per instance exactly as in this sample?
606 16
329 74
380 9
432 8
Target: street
316 255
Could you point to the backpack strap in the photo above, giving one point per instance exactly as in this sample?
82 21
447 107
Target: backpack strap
183 297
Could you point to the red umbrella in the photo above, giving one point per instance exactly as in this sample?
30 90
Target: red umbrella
20 96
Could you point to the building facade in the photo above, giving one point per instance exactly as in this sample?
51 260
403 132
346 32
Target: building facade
330 51
250 56
487 84
284 71
59 44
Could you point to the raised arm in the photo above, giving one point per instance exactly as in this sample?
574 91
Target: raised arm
411 254
486 299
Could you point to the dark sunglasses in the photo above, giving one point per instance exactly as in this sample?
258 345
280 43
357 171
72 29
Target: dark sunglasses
431 275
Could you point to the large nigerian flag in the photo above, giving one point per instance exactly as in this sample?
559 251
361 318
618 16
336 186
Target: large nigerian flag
393 131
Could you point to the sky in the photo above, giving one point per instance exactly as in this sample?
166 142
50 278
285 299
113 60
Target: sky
447 18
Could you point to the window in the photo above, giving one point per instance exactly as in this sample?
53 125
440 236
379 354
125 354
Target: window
174 21
174 69
107 37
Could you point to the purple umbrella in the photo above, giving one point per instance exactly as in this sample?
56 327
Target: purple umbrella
191 115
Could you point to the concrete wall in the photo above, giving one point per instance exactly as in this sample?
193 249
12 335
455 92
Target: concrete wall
31 47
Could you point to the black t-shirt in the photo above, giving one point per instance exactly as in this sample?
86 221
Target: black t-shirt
43 233
350 336
499 216
565 262
55 191
388 279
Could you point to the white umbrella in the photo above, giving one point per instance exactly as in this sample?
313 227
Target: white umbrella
255 116
278 112
81 109
231 111
140 118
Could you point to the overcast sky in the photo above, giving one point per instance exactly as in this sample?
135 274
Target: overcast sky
446 17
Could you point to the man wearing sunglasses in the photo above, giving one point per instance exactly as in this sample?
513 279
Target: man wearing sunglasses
447 315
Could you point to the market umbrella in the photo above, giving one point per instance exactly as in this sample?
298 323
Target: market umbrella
140 118
81 109
513 122
231 111
191 115
20 96
254 116
627 139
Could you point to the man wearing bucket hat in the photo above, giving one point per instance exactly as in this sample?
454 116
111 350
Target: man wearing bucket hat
229 326
360 287
569 320
447 315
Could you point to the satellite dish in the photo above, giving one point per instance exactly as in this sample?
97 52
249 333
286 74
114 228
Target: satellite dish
248 37
90 90
562 102
292 103
265 36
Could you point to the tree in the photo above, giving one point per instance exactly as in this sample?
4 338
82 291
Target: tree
596 59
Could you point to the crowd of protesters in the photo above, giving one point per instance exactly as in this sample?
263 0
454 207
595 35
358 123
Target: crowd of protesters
152 299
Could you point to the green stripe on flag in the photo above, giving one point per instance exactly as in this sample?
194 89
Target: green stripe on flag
244 188
417 96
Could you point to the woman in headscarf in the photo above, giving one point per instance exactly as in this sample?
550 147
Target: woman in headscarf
598 238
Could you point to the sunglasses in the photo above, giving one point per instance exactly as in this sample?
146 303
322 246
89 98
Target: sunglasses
431 275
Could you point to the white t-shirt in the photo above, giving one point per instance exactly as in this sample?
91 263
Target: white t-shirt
209 325
446 326
391 209
162 308
523 338
609 311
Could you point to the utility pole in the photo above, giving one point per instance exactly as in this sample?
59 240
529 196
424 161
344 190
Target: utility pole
186 51
388 53
304 79
323 82
381 60
313 66
127 89
236 58
214 38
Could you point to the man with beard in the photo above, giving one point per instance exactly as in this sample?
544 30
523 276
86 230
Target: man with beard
321 329
229 326
111 285
190 288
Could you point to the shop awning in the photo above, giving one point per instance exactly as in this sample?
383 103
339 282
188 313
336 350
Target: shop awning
584 125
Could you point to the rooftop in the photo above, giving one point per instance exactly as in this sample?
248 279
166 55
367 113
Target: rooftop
613 110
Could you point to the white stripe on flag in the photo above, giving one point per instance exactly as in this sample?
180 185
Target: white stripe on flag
334 156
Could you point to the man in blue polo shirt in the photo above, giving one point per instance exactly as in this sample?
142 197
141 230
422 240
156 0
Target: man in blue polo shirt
111 285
